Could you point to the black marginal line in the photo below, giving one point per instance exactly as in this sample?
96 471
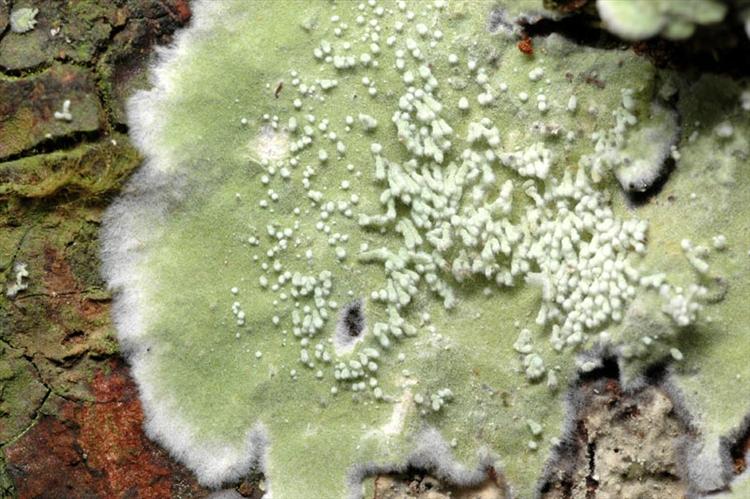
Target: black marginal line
59 143
99 54
47 295
37 410
27 72
43 66
48 386
582 33
32 423
17 249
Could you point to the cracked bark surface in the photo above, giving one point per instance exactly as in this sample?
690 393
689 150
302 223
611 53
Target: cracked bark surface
70 419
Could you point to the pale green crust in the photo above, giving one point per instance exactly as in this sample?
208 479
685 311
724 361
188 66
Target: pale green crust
197 369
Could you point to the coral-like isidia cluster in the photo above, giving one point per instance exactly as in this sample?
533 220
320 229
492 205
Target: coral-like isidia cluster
376 234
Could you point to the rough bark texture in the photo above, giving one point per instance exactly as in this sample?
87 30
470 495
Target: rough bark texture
70 419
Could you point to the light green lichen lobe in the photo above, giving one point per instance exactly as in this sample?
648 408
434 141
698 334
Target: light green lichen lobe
340 219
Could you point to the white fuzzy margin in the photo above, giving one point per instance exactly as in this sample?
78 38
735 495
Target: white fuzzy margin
129 225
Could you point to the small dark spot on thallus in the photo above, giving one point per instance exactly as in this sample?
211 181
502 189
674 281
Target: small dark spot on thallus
353 319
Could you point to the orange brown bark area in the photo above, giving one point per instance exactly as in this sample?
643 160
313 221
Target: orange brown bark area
97 449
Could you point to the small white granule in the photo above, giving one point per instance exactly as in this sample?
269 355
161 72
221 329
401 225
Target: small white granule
536 74
724 130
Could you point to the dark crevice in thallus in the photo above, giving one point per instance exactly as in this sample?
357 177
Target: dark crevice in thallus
608 370
656 373
722 48
640 198
353 319
56 144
